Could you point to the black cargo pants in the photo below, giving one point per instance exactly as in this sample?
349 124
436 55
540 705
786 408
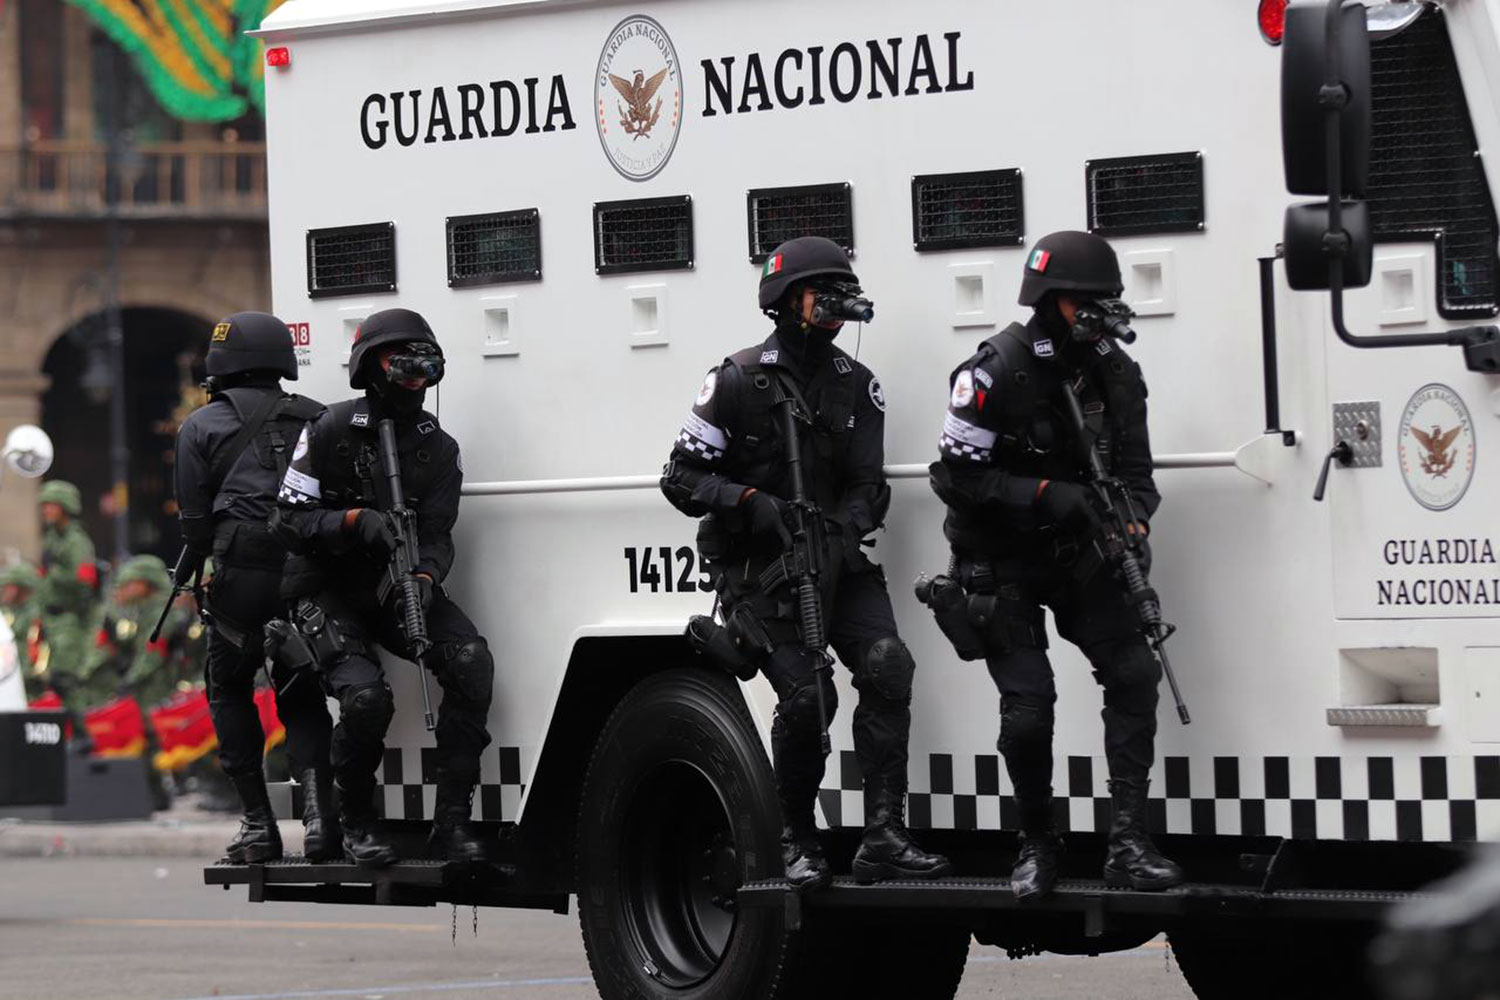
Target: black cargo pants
862 631
1094 616
242 597
459 659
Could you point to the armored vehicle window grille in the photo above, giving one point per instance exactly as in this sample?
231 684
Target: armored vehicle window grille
980 209
351 260
776 215
495 248
649 234
1426 178
1146 194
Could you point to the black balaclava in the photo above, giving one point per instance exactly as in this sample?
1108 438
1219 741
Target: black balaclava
388 397
805 344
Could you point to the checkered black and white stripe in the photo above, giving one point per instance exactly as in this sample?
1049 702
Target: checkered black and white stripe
694 446
407 785
1438 799
962 439
699 437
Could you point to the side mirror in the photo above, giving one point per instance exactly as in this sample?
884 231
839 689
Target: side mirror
1307 243
1305 104
28 450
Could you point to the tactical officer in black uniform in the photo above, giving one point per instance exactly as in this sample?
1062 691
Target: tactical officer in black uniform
330 514
729 463
1020 521
231 455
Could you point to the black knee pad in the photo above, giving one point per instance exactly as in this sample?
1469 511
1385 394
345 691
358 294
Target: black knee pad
798 711
470 670
1023 725
365 711
889 669
1125 663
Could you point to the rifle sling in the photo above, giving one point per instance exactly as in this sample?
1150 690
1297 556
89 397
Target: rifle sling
237 444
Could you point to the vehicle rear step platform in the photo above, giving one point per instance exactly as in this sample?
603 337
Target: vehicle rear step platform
405 883
1091 898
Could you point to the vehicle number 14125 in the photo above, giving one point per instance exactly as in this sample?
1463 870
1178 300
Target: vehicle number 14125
654 569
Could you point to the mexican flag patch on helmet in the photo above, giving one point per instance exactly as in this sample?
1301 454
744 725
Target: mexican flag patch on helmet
1039 260
773 265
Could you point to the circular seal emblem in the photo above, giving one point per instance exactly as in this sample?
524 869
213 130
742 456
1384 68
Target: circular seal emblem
638 98
1435 447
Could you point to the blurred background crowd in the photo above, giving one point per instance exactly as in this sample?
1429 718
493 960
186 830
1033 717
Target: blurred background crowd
132 215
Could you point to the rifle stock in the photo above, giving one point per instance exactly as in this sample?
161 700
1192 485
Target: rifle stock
1119 511
398 574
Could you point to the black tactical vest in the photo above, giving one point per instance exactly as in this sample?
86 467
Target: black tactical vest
350 463
253 477
761 456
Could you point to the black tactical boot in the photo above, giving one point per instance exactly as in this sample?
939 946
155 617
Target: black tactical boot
362 844
1035 872
806 867
322 840
452 838
258 839
1133 861
887 850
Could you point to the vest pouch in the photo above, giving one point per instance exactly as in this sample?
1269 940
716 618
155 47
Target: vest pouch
950 606
713 641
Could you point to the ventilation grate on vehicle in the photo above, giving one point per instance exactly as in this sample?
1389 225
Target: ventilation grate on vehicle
1131 195
495 248
351 260
978 209
647 234
776 215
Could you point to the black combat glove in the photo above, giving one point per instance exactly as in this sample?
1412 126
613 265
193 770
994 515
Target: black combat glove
1068 506
374 533
425 589
766 516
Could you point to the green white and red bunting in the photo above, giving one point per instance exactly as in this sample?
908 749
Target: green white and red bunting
773 265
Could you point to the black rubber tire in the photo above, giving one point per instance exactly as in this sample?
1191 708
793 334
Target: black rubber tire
1288 962
679 772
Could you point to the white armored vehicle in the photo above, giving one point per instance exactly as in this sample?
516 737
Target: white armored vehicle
577 195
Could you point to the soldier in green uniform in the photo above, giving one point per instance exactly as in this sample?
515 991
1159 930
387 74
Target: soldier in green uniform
125 661
67 594
18 586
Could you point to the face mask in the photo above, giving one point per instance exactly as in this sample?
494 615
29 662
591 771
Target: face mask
400 402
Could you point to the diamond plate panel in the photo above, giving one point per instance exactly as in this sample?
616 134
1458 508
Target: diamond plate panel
1359 424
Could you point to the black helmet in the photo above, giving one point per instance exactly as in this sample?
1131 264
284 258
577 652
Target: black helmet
1070 262
251 341
799 259
389 326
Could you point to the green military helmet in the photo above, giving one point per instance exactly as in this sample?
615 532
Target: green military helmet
62 493
148 568
20 574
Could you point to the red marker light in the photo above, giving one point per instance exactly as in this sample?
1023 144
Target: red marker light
280 57
1272 17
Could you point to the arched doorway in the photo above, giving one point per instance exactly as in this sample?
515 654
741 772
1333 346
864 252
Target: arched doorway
164 351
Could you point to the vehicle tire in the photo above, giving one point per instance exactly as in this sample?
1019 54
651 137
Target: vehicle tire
1286 962
678 809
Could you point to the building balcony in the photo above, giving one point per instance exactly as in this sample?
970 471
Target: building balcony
174 180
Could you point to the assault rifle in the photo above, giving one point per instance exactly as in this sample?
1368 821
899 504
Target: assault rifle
187 576
1120 545
803 564
398 579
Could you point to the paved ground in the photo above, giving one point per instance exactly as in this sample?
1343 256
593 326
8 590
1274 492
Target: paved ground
138 928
